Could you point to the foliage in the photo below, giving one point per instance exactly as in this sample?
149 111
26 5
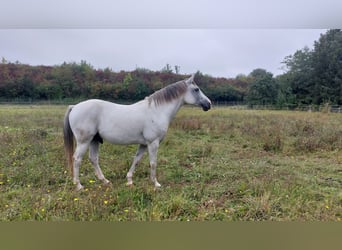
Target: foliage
327 65
82 81
312 77
315 76
263 89
226 165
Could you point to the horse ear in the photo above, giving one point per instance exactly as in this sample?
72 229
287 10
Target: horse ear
191 79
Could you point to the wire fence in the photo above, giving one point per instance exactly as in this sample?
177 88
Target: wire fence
233 105
305 108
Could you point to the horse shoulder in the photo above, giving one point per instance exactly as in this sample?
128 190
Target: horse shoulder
155 128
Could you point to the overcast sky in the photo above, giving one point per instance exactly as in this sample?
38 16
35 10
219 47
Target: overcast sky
219 38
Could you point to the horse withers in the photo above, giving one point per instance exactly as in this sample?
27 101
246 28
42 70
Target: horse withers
145 123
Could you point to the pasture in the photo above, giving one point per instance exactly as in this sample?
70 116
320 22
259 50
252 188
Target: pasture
225 164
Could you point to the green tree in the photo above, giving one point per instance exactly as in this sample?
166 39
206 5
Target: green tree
327 66
299 75
263 89
285 96
315 76
141 90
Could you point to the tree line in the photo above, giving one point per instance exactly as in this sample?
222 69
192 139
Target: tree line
82 81
311 77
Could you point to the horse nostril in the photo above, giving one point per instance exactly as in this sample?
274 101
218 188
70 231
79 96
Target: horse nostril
206 106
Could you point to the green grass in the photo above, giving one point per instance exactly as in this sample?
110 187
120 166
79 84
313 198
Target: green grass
224 164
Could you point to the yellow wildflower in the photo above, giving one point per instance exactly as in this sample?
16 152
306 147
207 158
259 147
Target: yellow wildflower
105 202
76 199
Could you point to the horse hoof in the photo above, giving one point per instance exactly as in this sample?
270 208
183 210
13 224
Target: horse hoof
106 182
129 184
79 187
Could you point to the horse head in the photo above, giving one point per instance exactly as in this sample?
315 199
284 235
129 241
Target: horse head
195 96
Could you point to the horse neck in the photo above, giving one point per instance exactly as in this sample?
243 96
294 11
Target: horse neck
170 109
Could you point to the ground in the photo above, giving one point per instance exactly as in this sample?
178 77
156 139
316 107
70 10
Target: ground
226 164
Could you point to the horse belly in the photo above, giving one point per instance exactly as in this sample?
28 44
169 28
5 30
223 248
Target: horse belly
123 135
123 139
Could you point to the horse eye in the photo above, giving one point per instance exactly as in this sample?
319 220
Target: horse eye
196 89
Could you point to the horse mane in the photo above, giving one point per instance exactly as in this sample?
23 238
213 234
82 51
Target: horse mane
168 93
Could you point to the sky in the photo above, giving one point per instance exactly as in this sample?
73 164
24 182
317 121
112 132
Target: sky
219 38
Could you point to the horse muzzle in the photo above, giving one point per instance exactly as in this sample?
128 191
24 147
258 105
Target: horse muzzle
206 105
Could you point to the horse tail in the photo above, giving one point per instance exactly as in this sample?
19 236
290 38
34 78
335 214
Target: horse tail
68 139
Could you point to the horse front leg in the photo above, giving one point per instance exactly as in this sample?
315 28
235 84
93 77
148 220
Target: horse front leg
153 151
137 158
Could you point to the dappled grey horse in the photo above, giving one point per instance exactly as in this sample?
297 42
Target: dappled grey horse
145 123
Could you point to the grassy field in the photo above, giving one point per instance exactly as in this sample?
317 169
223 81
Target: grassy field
225 164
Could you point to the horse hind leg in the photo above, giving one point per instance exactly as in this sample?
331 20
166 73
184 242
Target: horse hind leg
78 155
94 159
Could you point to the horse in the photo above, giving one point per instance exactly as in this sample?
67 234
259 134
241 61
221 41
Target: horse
145 123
